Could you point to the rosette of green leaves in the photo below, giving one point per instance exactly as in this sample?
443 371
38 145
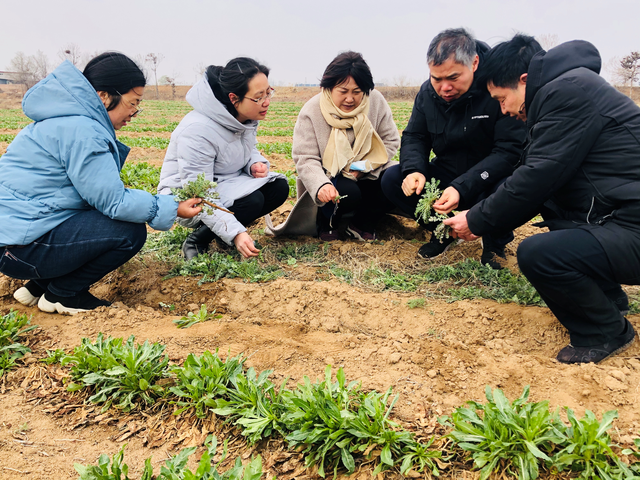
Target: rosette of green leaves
587 448
253 403
198 188
521 434
203 379
121 374
12 326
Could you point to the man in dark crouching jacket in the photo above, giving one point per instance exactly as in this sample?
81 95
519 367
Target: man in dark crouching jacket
476 146
581 170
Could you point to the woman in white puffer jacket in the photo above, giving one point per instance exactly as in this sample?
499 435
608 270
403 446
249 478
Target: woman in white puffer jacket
218 138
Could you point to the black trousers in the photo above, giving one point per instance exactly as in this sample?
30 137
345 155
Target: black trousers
571 271
264 200
364 204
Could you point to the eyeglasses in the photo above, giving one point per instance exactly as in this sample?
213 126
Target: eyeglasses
138 110
269 94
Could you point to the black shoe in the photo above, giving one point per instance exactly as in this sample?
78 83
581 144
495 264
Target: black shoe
493 256
197 242
623 304
597 353
82 302
435 247
29 294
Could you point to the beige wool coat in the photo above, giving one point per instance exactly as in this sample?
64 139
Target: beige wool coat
311 134
310 137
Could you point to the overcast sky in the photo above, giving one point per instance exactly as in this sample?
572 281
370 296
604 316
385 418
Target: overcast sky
297 38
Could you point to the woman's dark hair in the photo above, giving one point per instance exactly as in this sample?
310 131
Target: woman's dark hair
234 77
506 62
114 72
348 64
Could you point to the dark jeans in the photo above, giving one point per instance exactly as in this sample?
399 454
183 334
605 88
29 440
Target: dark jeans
364 204
392 188
571 271
75 254
264 200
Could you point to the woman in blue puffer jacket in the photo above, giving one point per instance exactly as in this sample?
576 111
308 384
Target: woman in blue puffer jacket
66 219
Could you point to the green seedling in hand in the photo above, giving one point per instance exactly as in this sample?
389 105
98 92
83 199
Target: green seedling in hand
200 188
424 210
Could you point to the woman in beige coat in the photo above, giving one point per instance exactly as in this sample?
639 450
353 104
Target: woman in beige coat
343 140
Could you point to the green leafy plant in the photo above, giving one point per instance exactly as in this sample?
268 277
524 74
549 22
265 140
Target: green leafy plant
587 448
175 468
192 318
520 434
254 404
216 265
416 303
13 326
141 176
199 188
425 213
54 356
120 373
203 379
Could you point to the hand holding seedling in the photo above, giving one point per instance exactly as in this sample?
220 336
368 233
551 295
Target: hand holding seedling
460 227
259 170
327 193
425 206
200 188
448 201
413 183
189 208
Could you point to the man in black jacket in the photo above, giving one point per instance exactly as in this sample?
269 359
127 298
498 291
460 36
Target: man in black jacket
475 145
581 170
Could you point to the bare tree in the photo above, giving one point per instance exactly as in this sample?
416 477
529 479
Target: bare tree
154 59
71 52
548 40
631 69
171 81
41 65
24 68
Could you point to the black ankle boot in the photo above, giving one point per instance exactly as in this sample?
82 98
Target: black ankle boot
197 242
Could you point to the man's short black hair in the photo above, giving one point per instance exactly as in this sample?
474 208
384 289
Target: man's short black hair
506 62
348 64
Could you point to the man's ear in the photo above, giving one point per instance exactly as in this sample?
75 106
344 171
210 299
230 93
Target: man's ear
523 78
476 62
234 98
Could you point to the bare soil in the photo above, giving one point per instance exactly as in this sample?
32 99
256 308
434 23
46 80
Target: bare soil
436 357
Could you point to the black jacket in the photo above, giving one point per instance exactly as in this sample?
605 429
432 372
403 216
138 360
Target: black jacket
470 137
581 159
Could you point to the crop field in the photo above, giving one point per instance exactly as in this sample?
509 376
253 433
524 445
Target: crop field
314 360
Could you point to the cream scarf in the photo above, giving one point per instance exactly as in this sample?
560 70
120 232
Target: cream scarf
368 145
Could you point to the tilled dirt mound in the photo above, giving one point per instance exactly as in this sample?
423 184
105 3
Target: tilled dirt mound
436 357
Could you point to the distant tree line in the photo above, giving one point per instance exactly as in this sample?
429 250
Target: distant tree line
28 70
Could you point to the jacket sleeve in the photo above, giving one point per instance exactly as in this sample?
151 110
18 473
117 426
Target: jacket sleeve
566 127
508 138
415 148
308 158
197 154
92 168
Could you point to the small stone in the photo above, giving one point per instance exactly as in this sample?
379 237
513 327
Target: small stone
223 301
433 373
394 358
586 393
352 345
192 307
